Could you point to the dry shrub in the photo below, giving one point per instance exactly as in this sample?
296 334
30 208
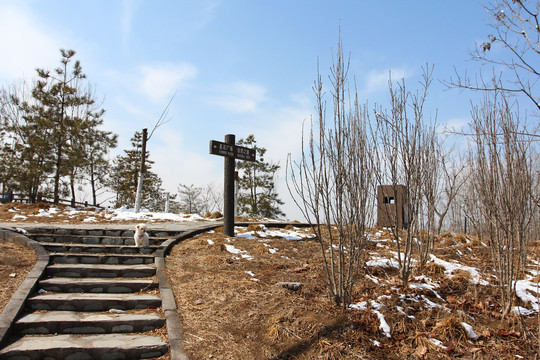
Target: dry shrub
422 345
534 247
255 227
462 239
213 215
449 329
9 206
277 326
430 269
383 272
476 242
365 320
447 242
446 235
462 276
260 249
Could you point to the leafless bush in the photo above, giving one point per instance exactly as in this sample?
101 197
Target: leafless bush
504 182
408 156
333 181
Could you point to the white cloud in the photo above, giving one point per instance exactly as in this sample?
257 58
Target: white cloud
240 97
159 82
455 124
128 12
378 80
26 43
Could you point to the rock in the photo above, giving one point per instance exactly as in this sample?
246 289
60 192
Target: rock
294 286
199 302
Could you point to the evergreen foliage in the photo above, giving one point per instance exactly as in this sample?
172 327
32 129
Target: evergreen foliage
124 177
191 199
257 193
47 133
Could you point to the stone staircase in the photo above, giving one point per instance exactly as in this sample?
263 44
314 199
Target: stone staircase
98 299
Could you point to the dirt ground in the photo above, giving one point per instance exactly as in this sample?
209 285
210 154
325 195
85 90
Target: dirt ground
231 307
16 261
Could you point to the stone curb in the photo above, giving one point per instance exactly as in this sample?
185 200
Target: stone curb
168 303
16 304
174 325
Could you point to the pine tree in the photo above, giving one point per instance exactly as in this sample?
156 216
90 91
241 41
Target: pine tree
46 132
25 150
191 199
124 177
68 111
257 194
98 166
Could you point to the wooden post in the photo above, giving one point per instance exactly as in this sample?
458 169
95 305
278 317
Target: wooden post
231 152
228 188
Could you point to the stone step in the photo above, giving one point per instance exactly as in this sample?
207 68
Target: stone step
92 302
92 240
116 259
69 322
98 249
97 285
112 346
100 270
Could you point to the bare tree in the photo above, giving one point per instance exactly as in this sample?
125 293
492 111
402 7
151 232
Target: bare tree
407 155
513 49
163 119
333 182
451 178
504 181
212 198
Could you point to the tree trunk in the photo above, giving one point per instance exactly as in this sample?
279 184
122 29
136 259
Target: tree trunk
93 185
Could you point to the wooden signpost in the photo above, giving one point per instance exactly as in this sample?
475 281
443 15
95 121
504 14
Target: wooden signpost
231 152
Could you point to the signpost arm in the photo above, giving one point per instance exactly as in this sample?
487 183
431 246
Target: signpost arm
228 201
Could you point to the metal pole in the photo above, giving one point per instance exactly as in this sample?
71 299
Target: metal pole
228 191
141 172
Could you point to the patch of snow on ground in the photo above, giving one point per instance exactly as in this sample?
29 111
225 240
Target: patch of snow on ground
243 254
245 236
451 266
470 330
383 325
130 214
438 343
526 290
383 262
293 235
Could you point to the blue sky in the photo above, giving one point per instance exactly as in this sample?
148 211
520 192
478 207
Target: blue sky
239 67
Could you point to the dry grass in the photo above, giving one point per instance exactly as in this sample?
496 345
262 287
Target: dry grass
231 307
16 261
228 315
